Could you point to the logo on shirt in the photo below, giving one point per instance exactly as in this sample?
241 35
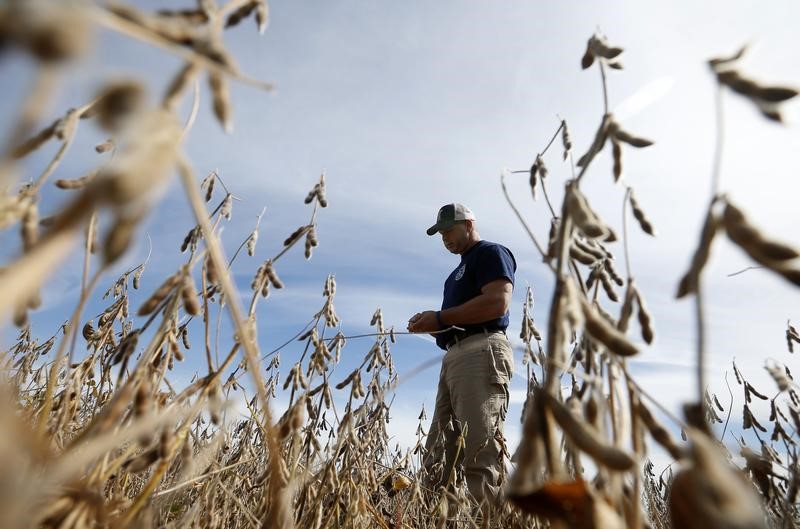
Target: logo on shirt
460 272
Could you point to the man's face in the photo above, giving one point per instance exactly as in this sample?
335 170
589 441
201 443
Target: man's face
456 238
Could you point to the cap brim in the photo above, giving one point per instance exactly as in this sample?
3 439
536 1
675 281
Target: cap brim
440 226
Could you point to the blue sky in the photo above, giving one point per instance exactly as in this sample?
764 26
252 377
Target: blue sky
411 105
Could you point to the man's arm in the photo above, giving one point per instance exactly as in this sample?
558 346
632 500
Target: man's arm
490 304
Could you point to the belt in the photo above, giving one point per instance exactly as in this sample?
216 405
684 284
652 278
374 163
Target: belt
466 333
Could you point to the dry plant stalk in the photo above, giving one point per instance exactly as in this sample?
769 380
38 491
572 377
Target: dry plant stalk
95 433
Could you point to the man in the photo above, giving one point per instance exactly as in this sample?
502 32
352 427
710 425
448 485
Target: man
473 383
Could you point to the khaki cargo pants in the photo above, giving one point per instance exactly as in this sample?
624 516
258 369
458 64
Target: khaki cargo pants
473 391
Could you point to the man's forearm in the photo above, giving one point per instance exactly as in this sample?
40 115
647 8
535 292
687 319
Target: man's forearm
482 308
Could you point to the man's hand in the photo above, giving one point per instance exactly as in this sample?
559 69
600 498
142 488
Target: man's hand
423 322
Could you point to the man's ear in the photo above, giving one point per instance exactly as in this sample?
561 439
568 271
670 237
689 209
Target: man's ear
469 225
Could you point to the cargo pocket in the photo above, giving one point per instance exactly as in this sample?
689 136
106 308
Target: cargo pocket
501 368
501 364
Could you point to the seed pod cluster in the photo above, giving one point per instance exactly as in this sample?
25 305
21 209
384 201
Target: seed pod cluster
586 439
272 275
584 217
318 193
126 348
779 375
592 247
291 421
769 253
538 172
597 46
577 253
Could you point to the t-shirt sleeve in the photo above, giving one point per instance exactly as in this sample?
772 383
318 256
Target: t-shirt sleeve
496 262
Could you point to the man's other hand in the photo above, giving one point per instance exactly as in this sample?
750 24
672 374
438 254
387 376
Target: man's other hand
423 322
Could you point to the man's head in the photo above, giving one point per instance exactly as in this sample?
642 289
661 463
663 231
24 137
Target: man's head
456 224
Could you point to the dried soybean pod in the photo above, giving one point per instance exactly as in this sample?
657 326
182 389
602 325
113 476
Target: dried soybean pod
645 320
688 283
640 217
296 234
119 238
189 295
227 207
211 271
158 296
750 239
76 183
588 57
605 333
221 100
178 85
581 256
30 227
208 184
609 267
589 248
583 215
106 146
626 311
586 439
273 275
137 276
659 433
34 142
605 280
601 48
597 145
185 337
251 243
630 139
720 61
617 155
534 173
565 138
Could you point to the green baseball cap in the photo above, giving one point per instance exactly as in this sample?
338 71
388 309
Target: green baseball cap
450 214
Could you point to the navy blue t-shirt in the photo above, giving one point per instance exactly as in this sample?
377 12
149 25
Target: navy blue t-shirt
483 263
